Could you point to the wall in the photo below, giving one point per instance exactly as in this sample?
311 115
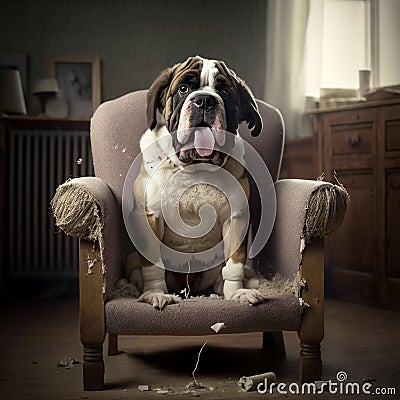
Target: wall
136 39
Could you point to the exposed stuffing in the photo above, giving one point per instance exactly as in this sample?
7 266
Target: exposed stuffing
304 305
218 327
78 213
90 263
268 287
302 245
279 284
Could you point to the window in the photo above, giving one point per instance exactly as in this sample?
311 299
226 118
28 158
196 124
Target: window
345 36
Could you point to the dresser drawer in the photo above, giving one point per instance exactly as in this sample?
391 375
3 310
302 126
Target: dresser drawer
355 138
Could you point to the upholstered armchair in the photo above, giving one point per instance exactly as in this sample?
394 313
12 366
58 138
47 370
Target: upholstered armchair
90 208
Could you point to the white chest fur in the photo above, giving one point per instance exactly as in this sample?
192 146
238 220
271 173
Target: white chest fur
188 192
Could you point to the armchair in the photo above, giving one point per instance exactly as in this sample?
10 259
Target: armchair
90 208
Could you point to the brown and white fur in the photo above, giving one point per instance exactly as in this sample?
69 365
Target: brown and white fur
196 93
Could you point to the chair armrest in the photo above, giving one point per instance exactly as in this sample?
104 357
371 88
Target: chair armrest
81 207
305 209
86 208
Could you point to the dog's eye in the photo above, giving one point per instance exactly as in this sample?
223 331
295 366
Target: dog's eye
223 92
183 89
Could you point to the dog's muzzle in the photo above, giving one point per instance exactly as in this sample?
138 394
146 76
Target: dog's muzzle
201 147
203 116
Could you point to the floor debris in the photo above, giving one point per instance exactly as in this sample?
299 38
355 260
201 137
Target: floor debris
68 362
368 379
79 161
144 388
162 391
194 386
250 383
191 390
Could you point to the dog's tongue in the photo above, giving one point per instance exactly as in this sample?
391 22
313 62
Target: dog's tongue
204 141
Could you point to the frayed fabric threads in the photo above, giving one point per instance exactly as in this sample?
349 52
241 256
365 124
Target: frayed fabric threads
79 213
76 212
325 211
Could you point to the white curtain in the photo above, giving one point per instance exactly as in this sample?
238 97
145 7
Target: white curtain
285 84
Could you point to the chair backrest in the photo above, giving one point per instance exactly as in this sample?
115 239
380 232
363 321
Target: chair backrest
117 126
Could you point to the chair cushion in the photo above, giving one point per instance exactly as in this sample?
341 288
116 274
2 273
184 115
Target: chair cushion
126 316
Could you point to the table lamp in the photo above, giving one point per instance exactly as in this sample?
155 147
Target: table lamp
11 94
45 89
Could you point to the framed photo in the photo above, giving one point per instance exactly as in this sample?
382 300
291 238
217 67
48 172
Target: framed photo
79 83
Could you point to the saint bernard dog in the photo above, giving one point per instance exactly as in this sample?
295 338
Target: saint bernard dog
200 100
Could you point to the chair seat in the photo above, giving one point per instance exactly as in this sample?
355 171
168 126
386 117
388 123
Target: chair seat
126 316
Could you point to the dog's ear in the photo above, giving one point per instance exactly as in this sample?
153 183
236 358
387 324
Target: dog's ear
248 106
249 110
156 96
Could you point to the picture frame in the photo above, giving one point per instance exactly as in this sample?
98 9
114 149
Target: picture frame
78 78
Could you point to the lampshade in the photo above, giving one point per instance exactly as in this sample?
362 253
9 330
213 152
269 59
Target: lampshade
11 95
46 85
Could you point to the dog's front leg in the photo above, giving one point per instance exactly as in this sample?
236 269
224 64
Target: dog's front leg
155 290
233 273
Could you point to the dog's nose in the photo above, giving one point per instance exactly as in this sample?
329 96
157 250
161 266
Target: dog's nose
205 102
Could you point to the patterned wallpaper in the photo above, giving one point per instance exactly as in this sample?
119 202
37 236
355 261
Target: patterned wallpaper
136 39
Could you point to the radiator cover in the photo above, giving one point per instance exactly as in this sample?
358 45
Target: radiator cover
39 159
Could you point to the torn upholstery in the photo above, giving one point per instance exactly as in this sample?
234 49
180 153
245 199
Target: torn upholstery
196 316
305 208
86 208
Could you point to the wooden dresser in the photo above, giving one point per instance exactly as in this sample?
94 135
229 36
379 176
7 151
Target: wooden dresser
360 145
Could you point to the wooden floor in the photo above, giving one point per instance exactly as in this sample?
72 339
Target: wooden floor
360 340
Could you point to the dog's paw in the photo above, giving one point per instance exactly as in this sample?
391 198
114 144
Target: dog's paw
125 289
248 296
158 299
129 290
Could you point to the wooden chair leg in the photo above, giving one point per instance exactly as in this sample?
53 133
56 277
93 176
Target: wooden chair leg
91 313
93 368
310 362
274 343
312 327
113 344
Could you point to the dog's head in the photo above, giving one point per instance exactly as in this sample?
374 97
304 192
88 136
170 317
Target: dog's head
207 95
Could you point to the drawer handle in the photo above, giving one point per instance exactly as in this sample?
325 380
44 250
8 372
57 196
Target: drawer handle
353 140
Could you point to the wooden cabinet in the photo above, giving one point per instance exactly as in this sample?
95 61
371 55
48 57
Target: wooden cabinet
359 145
36 155
298 159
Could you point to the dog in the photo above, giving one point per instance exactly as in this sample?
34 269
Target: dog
201 103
